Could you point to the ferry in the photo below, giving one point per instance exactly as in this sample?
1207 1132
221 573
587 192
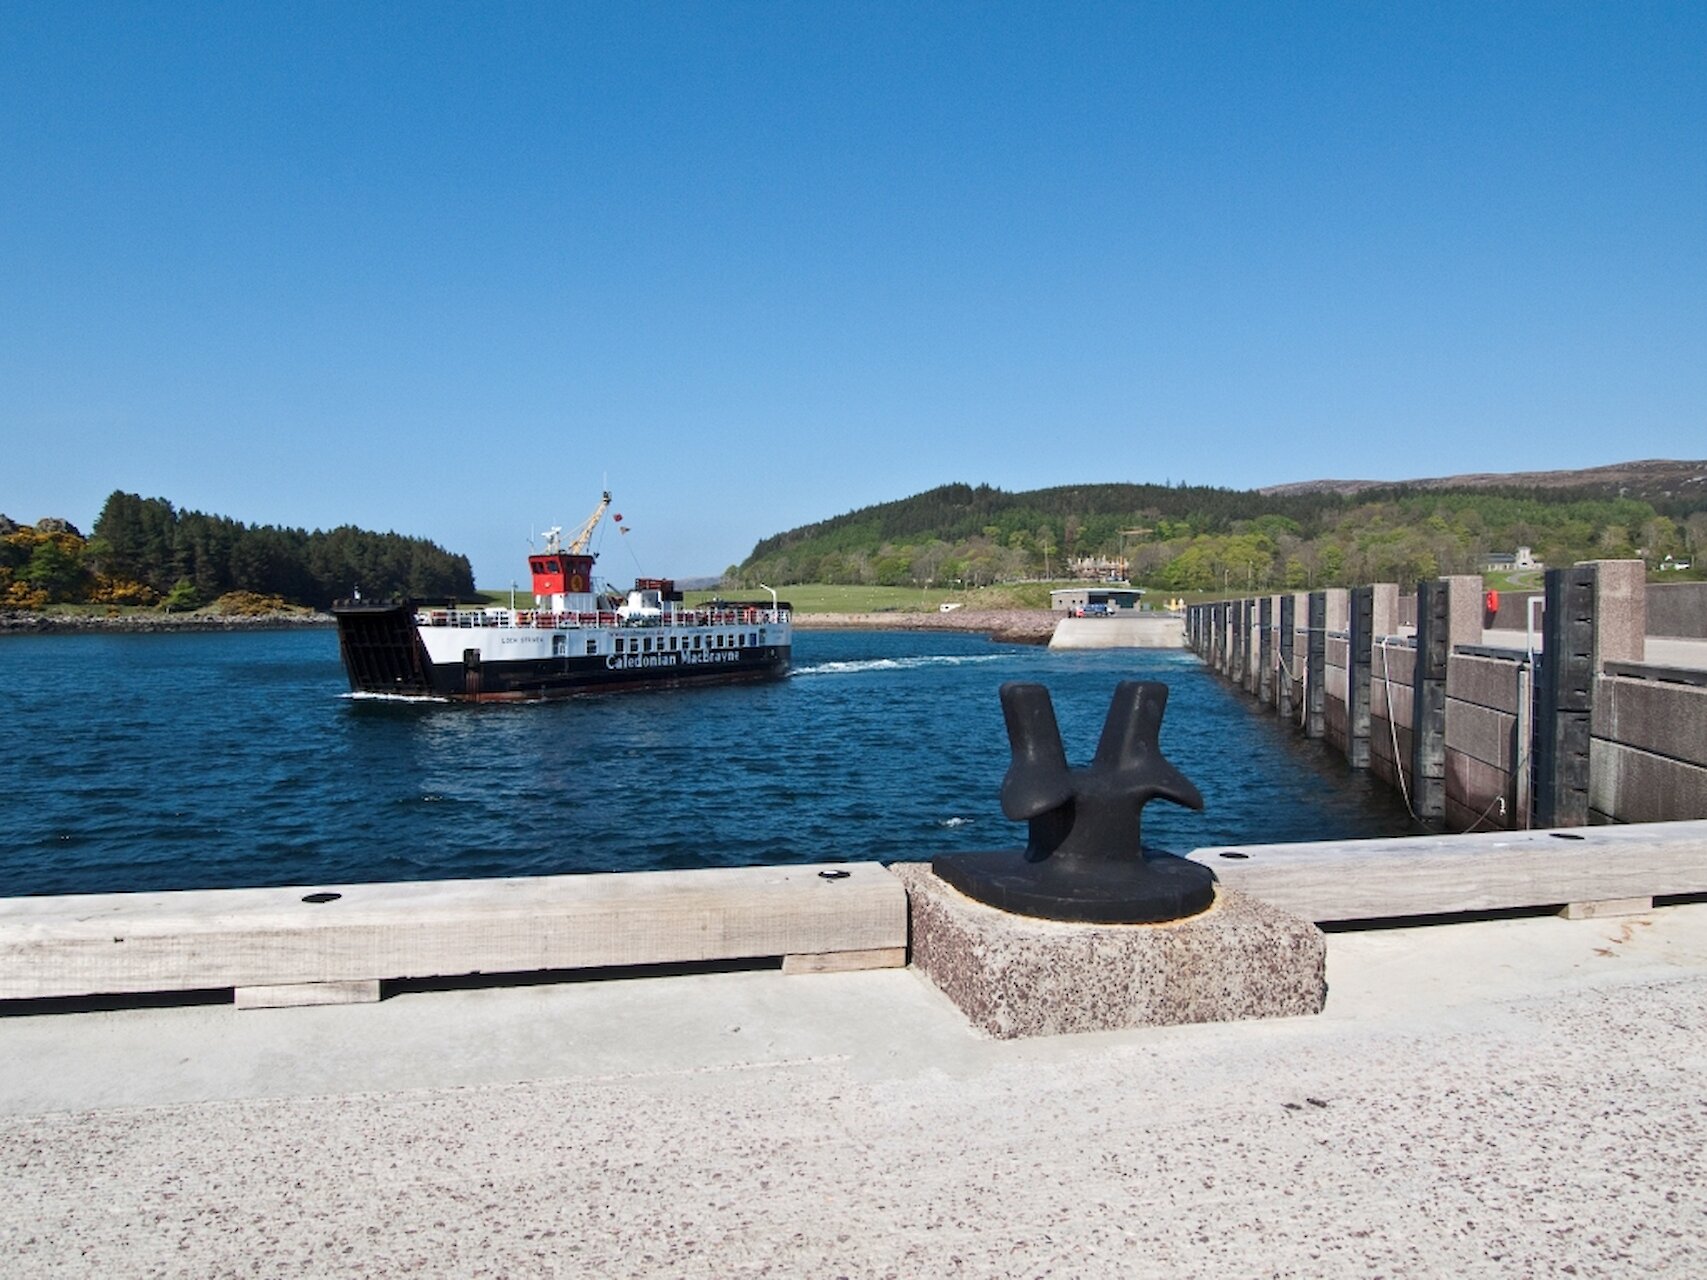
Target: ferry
579 637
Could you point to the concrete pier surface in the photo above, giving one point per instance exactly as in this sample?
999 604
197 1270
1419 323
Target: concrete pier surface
1505 1098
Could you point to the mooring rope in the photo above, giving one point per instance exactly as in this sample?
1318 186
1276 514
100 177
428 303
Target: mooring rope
1516 770
1498 802
1393 728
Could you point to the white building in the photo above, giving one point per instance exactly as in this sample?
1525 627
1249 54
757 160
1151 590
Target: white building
1075 600
1500 560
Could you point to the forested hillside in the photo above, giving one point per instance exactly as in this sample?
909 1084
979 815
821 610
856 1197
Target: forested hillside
145 551
1185 538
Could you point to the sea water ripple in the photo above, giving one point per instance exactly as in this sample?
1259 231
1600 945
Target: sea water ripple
138 762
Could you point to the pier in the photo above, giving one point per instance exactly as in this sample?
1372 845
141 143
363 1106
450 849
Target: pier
1583 704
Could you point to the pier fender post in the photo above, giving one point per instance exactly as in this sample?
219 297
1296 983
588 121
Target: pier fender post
1316 666
1564 697
1265 649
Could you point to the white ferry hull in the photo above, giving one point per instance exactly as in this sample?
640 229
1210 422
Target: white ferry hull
394 650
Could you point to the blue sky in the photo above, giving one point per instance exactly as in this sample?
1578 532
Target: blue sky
448 269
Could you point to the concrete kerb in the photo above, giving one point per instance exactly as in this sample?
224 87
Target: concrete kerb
858 911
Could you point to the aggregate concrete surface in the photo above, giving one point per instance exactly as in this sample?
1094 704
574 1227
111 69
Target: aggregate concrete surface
1517 1098
1014 976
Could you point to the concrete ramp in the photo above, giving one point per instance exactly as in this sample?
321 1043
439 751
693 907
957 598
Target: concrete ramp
1139 631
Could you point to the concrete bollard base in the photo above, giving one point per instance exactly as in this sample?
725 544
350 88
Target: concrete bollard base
1015 976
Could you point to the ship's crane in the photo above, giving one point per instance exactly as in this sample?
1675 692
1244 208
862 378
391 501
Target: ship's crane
578 544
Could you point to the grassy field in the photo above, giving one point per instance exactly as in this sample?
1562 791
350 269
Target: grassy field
1512 579
824 598
524 599
818 597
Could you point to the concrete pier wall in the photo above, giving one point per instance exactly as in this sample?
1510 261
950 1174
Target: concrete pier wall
1135 631
1647 750
1678 609
1335 682
1390 711
1484 752
1457 707
1336 673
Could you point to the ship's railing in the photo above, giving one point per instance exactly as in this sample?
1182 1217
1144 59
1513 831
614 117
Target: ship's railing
729 617
545 620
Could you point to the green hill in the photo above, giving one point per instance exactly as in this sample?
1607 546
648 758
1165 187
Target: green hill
1195 538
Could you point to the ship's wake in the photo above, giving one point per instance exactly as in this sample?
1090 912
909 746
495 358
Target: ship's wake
861 665
424 698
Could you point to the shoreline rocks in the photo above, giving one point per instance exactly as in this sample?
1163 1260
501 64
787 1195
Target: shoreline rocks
142 624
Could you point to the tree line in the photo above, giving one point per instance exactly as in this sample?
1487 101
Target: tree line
146 551
1193 538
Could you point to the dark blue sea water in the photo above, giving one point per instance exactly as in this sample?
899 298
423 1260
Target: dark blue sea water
191 761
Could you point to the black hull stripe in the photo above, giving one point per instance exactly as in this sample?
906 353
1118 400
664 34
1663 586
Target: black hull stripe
553 693
570 677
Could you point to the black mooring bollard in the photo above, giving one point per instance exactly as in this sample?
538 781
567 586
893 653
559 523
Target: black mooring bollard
1085 860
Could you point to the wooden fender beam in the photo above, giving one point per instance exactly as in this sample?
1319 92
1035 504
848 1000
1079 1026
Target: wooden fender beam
332 942
1335 880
